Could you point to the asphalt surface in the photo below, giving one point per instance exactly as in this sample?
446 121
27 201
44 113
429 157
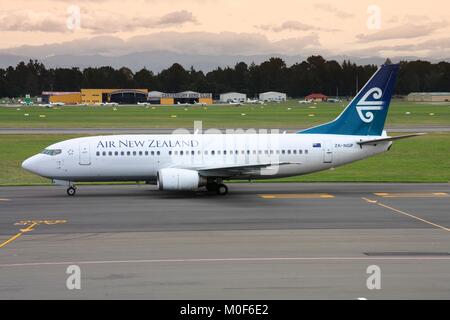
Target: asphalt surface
170 130
261 241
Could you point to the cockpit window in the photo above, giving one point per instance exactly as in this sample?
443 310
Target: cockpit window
51 152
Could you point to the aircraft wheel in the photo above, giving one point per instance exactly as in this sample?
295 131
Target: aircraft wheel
71 191
222 189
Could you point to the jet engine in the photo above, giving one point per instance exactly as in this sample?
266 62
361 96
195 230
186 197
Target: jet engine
179 179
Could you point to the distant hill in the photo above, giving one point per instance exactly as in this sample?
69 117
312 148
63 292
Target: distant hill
159 60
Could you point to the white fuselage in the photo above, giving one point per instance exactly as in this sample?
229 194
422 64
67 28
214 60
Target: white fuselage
140 157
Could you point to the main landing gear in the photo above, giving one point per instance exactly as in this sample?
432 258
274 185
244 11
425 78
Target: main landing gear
71 191
220 188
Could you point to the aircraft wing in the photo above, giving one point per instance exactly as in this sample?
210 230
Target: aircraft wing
374 141
235 170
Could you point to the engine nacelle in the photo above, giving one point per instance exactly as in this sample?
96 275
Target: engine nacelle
179 179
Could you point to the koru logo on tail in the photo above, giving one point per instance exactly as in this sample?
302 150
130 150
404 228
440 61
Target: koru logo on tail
365 107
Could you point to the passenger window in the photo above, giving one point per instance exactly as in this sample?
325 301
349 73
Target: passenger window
146 153
218 152
306 151
192 152
283 151
116 153
271 151
122 153
289 151
158 153
224 152
212 152
295 151
206 152
98 153
104 153
181 152
140 153
128 153
170 153
300 151
134 153
260 151
153 153
278 151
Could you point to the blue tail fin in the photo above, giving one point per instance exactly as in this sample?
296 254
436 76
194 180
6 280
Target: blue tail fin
366 113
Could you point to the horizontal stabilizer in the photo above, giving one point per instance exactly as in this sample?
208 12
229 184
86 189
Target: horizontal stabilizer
373 141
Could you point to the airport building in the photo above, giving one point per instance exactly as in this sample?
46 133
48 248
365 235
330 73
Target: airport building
120 96
272 96
428 97
154 97
61 97
317 97
232 97
190 97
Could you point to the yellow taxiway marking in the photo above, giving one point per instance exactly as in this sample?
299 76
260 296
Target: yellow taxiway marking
30 225
406 214
297 196
412 194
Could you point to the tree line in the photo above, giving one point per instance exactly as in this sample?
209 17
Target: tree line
313 75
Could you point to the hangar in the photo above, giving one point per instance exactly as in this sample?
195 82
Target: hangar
128 96
233 97
190 97
429 97
61 97
316 97
121 96
272 96
154 97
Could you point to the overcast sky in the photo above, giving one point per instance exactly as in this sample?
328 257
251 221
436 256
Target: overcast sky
111 27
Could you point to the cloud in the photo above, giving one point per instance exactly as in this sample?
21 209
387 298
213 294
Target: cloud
30 21
176 18
331 9
406 31
108 22
197 43
291 25
96 22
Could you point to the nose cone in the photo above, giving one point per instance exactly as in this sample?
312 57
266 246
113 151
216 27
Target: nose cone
30 164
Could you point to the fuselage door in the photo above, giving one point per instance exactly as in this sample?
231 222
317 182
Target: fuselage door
85 154
327 152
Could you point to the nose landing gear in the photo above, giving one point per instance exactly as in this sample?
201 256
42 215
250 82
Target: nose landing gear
71 191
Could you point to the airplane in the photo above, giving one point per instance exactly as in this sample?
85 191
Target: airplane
143 103
182 162
52 104
253 101
304 101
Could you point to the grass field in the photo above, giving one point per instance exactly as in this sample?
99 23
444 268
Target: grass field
289 114
421 159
